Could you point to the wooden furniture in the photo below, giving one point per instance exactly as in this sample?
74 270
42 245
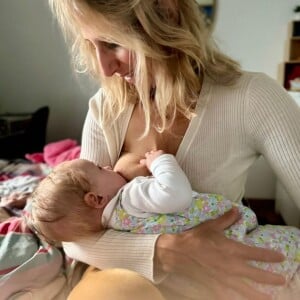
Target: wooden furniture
286 206
291 81
283 202
291 67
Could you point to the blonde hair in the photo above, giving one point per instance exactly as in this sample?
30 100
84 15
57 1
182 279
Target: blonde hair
168 37
60 196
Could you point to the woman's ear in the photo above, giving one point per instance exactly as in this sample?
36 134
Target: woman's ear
95 201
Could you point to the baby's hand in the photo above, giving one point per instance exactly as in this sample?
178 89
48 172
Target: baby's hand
150 157
15 200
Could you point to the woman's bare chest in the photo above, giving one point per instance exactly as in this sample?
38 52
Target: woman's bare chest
168 140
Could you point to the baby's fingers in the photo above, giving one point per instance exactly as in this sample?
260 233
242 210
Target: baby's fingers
143 162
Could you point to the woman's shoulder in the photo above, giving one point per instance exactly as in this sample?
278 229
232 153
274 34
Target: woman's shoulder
246 78
249 80
256 78
248 85
96 107
250 90
261 93
260 87
96 103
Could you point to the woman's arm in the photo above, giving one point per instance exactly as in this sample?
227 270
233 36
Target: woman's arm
202 253
204 249
115 249
93 144
274 126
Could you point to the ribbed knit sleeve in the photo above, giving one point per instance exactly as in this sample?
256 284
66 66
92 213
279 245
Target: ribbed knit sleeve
93 145
117 249
274 125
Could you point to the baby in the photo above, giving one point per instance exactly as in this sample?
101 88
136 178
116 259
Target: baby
79 198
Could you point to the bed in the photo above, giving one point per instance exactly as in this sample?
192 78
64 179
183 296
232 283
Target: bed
30 268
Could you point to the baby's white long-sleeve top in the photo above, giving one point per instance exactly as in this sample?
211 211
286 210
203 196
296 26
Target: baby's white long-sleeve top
167 191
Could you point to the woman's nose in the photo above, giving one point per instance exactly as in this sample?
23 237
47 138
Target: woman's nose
107 61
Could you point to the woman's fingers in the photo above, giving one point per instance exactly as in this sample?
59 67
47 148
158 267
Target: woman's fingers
224 221
243 251
260 275
233 257
211 282
256 253
236 256
230 260
219 265
242 289
213 257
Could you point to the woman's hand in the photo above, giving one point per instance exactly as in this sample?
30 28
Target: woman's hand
219 263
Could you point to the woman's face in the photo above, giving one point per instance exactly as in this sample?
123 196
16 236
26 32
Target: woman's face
112 59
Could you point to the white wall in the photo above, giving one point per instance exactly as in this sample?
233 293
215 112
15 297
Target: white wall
255 33
35 66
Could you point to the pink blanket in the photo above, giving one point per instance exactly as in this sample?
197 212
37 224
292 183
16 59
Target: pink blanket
56 152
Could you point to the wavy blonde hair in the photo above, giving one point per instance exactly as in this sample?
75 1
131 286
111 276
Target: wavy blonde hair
172 45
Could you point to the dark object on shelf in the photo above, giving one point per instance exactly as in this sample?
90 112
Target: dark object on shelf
290 69
292 75
297 9
22 133
265 211
296 29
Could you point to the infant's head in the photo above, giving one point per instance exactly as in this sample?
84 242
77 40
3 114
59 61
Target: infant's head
69 202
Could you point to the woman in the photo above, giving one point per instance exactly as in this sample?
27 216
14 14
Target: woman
166 86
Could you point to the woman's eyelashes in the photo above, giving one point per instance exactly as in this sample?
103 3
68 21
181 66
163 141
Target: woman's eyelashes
100 44
107 45
111 45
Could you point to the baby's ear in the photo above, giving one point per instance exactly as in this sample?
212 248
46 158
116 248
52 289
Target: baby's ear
95 201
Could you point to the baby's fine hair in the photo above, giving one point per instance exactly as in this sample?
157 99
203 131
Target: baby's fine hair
168 37
60 196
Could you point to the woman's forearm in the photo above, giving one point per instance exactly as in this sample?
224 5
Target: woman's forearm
115 249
